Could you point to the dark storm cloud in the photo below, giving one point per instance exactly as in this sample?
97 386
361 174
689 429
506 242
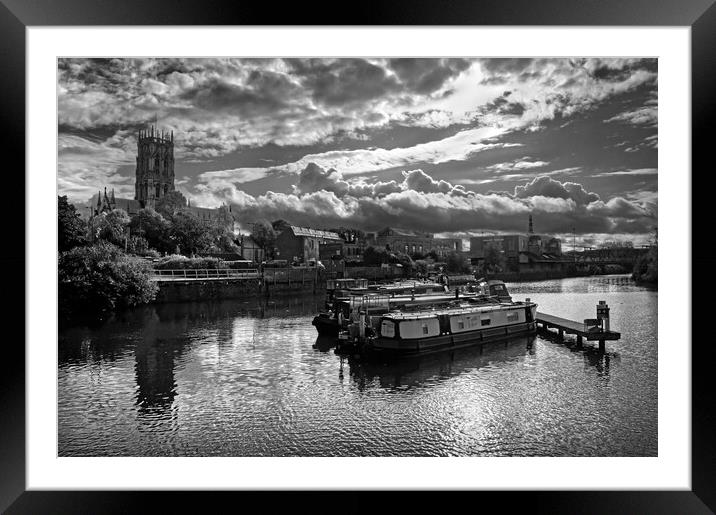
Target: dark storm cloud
612 73
505 66
501 105
263 94
424 76
343 81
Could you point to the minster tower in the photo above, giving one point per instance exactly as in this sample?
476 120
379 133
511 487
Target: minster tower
155 166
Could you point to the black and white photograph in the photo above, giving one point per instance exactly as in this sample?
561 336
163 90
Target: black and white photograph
357 257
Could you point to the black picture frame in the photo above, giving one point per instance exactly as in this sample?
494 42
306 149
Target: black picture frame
16 15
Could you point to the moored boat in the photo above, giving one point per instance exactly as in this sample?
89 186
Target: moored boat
435 328
343 310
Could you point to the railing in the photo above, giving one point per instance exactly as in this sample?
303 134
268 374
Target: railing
205 273
290 275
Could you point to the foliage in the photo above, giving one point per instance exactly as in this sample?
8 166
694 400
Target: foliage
494 260
264 234
139 246
154 228
189 234
373 256
421 267
171 203
279 225
404 260
96 279
71 229
111 227
181 262
646 268
457 263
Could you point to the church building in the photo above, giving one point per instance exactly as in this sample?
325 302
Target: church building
154 179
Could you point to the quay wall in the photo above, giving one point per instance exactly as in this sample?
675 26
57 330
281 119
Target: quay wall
214 289
194 290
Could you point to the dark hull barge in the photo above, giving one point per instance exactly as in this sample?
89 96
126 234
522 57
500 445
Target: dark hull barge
329 323
400 334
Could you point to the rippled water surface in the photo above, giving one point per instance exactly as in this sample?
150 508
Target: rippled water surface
237 378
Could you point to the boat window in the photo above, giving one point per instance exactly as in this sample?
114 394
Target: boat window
387 329
461 324
485 321
425 328
512 317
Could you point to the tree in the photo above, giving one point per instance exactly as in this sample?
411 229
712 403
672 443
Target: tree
139 246
404 260
494 260
111 227
264 234
152 226
457 263
646 268
421 267
171 203
96 279
189 233
71 229
373 256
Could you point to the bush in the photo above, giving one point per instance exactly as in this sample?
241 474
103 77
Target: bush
646 268
97 279
177 262
457 263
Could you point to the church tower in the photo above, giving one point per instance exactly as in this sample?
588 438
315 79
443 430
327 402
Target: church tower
155 166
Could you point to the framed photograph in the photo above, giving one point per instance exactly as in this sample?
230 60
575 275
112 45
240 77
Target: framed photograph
416 252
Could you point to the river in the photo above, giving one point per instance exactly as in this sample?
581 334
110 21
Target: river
236 378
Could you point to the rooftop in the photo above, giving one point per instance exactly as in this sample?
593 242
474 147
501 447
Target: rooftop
314 233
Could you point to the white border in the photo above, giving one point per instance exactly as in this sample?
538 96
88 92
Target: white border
671 470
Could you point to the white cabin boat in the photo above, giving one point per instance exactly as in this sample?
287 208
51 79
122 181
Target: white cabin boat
466 322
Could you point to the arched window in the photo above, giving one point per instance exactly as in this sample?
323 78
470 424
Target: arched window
156 191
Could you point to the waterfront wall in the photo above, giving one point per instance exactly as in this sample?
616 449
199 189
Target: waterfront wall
372 272
197 290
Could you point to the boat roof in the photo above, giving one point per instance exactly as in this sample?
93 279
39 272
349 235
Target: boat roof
463 309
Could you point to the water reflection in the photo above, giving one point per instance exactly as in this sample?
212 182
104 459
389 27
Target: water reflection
324 343
235 378
593 358
425 371
593 284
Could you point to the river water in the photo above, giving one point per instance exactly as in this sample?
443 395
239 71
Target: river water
235 378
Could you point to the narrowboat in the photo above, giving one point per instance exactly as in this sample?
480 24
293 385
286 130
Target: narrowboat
341 311
429 329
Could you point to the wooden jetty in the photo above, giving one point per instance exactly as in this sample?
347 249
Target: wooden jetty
590 330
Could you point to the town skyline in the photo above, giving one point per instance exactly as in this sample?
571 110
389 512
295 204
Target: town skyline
456 147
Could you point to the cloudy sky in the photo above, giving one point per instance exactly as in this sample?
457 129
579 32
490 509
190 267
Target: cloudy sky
453 146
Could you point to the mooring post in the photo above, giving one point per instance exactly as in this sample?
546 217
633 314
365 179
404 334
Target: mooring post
561 334
579 341
602 347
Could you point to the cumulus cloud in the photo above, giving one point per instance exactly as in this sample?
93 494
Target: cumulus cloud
548 187
322 197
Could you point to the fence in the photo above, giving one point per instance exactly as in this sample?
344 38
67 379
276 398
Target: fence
291 275
204 273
